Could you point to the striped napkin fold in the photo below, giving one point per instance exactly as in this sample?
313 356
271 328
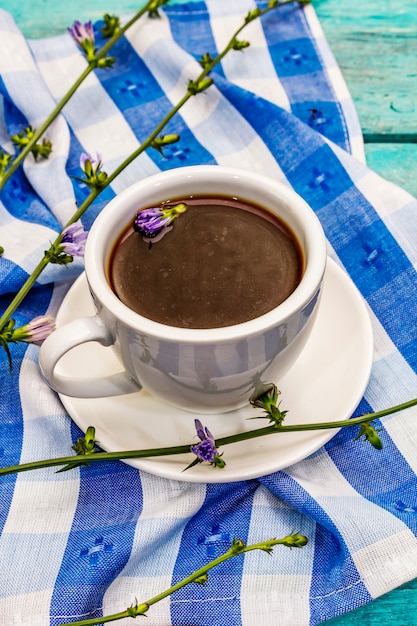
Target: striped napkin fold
86 543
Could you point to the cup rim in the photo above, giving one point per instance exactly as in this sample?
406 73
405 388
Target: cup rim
110 219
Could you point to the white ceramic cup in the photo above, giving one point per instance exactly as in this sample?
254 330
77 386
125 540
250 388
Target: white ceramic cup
205 371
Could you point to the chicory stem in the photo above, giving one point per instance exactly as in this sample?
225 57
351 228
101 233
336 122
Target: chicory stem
199 576
76 460
21 294
58 108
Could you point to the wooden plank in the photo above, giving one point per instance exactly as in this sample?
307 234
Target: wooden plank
45 18
395 162
397 608
375 44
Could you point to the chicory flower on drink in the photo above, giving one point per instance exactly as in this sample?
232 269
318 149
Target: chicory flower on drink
154 222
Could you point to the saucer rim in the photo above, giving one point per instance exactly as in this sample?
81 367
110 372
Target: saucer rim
162 466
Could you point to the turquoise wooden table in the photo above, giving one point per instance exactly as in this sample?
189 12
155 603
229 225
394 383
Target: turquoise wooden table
374 43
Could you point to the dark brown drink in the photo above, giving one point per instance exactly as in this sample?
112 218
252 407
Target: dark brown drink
224 262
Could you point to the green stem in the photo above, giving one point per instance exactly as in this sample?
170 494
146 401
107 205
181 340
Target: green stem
43 263
23 291
221 441
144 146
51 117
203 74
44 126
140 609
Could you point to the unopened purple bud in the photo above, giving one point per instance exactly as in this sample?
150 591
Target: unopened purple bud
82 33
37 330
84 158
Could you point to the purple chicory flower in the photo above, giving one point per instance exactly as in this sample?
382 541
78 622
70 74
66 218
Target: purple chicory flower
36 331
95 178
69 245
87 161
152 223
73 240
83 35
206 449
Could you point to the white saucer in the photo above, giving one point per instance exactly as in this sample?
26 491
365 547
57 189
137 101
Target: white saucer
325 384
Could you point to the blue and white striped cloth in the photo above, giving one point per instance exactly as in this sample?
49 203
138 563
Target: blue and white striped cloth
86 543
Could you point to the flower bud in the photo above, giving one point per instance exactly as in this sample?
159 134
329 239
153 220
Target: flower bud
206 60
295 541
237 546
195 87
265 396
252 15
36 331
369 432
111 25
240 45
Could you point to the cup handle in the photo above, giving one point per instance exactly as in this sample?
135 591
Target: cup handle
62 340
